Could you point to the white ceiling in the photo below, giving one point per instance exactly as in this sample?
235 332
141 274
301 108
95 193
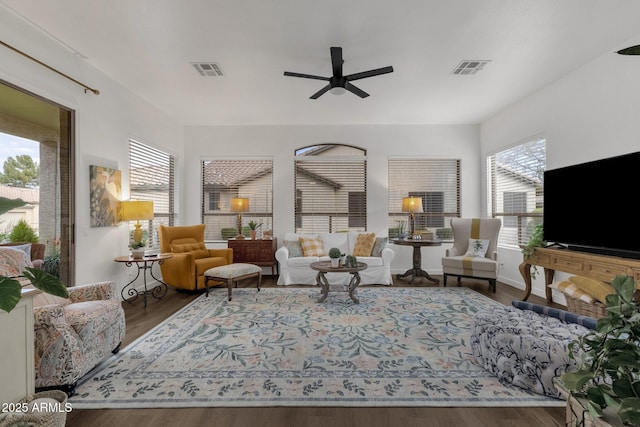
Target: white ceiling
148 45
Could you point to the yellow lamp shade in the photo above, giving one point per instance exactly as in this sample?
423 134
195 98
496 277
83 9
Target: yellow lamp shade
240 204
135 210
412 204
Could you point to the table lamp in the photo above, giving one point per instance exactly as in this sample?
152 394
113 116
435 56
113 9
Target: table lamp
136 210
239 204
411 205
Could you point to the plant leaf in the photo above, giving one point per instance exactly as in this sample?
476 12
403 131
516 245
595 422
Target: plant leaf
9 293
7 204
46 282
575 381
625 286
629 411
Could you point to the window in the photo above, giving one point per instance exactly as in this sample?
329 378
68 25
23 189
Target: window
225 179
436 181
515 190
331 189
152 177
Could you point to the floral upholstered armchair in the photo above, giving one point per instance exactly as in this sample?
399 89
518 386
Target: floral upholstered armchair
73 335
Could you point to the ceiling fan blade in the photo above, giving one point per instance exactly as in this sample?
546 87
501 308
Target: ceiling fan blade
351 88
633 50
320 92
306 76
336 62
370 73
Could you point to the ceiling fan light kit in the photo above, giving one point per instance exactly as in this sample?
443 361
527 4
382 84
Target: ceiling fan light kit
338 82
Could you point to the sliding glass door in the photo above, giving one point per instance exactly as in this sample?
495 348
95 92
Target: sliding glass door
36 165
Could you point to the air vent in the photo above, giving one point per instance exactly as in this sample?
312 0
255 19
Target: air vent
208 69
469 67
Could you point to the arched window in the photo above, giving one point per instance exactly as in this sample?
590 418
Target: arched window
331 188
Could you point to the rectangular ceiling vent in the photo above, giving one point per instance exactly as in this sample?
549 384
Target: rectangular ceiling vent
469 67
208 69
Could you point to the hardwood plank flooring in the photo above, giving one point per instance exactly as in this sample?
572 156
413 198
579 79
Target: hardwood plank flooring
140 320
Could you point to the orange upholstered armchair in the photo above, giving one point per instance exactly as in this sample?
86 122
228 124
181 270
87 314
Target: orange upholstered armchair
190 256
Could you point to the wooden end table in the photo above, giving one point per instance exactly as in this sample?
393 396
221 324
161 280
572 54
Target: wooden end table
144 264
416 270
324 267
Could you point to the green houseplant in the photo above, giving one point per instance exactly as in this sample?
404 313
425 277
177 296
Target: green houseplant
10 287
335 254
608 372
535 241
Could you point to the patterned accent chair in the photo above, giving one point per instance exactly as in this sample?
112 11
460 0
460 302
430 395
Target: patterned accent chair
462 261
73 335
190 256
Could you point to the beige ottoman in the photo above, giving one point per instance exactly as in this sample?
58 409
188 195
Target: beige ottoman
232 273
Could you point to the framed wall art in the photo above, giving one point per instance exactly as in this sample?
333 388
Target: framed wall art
105 193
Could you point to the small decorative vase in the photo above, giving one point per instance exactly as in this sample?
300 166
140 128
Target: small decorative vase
335 262
137 253
253 234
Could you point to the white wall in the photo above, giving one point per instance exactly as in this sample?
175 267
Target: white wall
104 124
591 113
381 142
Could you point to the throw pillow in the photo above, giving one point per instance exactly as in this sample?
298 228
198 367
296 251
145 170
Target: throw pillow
311 246
295 250
26 248
597 289
13 261
199 250
477 248
379 245
567 287
364 244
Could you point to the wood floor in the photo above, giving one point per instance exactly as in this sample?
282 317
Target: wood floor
140 320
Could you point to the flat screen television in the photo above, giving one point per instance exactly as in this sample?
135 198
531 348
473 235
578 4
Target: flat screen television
591 206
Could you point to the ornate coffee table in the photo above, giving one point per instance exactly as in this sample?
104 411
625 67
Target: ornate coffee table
324 267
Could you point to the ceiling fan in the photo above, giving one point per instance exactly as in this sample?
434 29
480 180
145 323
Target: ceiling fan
633 50
339 83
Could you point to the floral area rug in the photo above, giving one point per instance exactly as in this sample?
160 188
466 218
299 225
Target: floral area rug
279 347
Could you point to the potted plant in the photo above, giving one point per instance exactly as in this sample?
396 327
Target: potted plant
608 358
137 248
335 254
253 225
536 240
11 288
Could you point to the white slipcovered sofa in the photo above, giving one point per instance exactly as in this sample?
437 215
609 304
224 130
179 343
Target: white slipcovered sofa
295 267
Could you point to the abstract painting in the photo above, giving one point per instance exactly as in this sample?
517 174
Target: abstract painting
105 193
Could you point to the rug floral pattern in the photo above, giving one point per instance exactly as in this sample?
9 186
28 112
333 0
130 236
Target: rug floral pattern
279 347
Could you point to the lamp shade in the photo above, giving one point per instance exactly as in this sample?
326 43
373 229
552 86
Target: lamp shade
135 210
239 204
412 204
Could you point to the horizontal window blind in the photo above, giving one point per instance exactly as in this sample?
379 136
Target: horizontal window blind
515 190
435 181
331 189
152 178
225 179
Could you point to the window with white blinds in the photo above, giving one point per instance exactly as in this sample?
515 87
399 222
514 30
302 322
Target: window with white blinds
226 179
331 189
515 190
435 181
152 178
